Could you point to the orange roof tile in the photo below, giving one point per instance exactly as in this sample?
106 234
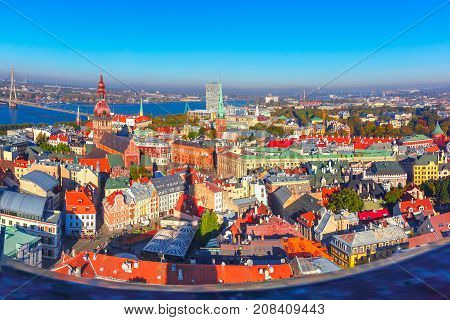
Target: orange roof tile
77 202
103 163
150 272
304 248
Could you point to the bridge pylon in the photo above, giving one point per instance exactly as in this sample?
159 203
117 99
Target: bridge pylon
12 91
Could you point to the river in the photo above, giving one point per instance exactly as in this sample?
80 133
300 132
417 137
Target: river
25 114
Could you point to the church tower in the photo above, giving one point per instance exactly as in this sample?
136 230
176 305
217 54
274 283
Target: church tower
102 120
221 122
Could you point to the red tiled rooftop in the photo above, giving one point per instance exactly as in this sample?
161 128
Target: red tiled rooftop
111 199
441 223
122 269
369 215
61 137
415 204
103 163
275 226
423 239
307 218
77 202
280 143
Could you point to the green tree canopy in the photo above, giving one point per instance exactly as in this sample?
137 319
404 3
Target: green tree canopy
394 195
209 225
346 199
193 135
437 189
137 172
62 148
41 138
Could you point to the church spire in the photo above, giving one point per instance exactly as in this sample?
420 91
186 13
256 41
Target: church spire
220 109
78 117
101 90
186 111
141 110
438 130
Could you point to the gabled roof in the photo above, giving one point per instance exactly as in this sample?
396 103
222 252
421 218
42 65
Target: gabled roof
282 194
426 158
102 163
369 237
415 205
115 160
77 202
441 223
168 184
307 218
385 168
423 239
114 142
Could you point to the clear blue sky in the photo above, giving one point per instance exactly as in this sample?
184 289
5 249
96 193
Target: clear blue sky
249 44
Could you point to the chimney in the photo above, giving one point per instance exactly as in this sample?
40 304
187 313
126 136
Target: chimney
78 272
73 253
95 256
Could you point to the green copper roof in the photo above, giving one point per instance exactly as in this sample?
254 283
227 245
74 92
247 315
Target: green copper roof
316 119
115 160
438 129
117 183
425 159
15 238
416 137
288 154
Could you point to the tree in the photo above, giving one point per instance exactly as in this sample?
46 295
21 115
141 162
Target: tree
429 188
137 172
46 147
393 195
212 134
346 199
209 225
276 131
193 135
438 189
62 148
41 138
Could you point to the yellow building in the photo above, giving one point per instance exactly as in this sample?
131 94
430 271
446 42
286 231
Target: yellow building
352 249
427 167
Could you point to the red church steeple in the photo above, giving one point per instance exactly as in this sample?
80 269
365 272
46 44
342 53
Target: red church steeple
102 120
101 90
101 108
